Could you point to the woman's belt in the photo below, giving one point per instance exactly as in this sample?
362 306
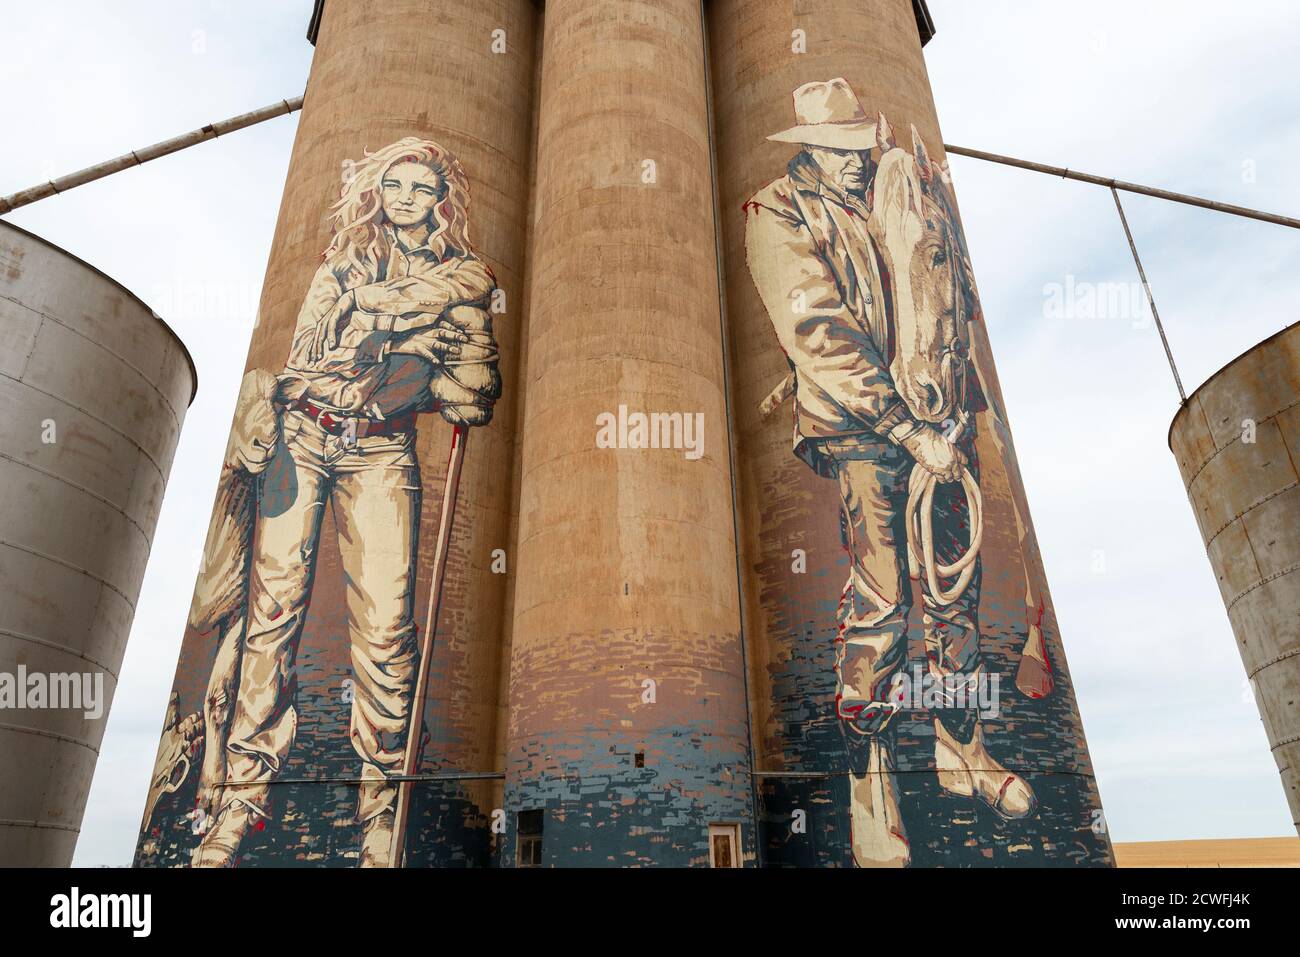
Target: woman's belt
353 426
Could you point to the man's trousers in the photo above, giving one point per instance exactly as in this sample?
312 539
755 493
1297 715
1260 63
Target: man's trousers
871 645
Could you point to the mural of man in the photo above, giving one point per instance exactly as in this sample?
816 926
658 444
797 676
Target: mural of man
861 290
394 323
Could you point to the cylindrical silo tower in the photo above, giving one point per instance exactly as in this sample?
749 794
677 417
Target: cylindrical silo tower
742 569
1237 442
95 388
911 697
390 317
628 738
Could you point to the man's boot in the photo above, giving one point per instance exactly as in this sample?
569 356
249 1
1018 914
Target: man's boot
377 840
966 768
221 840
876 825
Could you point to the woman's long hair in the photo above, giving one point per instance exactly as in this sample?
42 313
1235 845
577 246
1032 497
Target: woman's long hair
358 216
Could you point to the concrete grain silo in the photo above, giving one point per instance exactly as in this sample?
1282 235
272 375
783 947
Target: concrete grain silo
573 269
628 729
1237 443
440 97
95 388
854 323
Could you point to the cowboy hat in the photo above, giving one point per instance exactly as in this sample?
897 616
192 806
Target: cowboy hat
829 115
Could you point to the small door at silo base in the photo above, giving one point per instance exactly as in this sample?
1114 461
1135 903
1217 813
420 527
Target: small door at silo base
94 388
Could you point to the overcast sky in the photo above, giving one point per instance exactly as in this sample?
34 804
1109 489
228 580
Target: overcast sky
1198 97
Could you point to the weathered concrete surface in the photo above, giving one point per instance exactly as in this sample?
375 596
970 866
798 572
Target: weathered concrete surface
95 388
626 556
790 615
1237 443
428 70
605 672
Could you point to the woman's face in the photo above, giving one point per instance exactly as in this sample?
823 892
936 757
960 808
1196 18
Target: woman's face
409 191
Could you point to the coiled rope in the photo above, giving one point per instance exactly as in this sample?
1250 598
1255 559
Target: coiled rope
919 516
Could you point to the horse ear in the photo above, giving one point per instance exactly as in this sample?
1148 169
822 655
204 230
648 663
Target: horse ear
945 173
923 165
895 193
884 133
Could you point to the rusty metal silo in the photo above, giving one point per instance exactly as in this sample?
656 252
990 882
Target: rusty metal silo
95 388
1237 443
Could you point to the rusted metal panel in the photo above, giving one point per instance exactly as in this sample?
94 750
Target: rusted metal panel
1236 441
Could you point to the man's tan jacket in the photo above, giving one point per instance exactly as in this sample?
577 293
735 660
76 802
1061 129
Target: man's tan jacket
815 264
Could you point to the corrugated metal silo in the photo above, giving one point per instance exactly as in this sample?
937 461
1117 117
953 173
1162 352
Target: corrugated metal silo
1237 442
95 388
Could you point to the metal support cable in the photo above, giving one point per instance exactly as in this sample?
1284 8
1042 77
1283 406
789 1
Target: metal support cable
1115 186
283 107
1112 183
1146 286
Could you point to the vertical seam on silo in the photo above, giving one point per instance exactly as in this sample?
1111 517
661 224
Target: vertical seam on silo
501 736
94 617
1277 423
731 456
36 336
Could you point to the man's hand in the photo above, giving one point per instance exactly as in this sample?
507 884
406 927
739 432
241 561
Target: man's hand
936 454
329 326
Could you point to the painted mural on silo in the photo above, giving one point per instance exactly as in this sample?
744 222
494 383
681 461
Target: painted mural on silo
347 628
919 708
395 327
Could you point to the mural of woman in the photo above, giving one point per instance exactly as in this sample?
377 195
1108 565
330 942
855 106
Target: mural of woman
395 323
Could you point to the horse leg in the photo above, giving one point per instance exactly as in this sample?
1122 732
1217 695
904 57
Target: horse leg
1034 674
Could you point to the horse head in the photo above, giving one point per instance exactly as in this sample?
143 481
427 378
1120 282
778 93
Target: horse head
920 243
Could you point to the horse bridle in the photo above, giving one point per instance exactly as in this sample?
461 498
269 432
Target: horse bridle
954 359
